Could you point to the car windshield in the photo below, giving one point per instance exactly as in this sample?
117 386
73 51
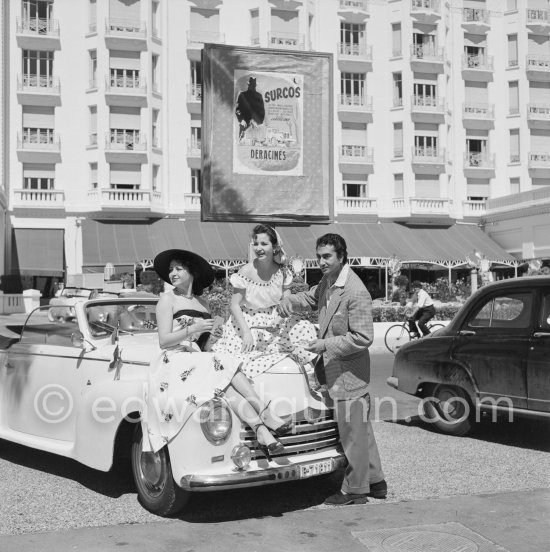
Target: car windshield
128 316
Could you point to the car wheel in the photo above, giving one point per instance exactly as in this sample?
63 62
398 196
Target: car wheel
156 488
449 410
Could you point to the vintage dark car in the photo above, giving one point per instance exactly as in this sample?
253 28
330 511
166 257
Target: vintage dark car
494 357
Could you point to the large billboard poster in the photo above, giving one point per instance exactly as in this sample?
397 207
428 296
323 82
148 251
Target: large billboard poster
266 135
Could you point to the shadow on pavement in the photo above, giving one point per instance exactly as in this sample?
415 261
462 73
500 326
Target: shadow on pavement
522 433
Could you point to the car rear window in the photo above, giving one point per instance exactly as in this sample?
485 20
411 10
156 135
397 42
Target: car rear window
505 311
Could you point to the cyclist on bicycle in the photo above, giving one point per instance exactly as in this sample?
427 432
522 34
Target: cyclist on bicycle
424 310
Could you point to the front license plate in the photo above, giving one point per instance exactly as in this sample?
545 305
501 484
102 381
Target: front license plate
316 468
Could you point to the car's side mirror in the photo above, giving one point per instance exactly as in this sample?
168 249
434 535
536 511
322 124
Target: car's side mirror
78 340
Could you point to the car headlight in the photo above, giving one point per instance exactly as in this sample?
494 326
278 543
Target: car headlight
216 421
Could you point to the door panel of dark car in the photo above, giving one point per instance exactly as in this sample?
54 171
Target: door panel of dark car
538 367
495 350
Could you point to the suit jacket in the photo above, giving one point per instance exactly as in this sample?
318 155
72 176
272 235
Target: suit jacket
347 330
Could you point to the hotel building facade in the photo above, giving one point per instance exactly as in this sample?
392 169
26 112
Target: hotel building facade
441 117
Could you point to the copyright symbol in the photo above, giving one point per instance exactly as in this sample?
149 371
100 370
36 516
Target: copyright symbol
53 403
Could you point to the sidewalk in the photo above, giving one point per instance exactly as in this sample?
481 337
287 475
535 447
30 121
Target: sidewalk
503 522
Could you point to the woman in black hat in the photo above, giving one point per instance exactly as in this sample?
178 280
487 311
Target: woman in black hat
184 321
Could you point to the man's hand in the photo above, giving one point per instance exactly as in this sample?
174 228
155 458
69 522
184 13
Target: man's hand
285 307
316 346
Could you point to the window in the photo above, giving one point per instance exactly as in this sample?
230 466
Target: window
93 124
355 189
93 176
38 183
155 128
196 181
255 26
37 68
398 139
156 175
196 137
511 5
155 70
196 80
514 145
125 78
126 138
512 50
92 16
513 98
396 48
93 68
425 95
423 45
155 19
397 90
425 146
38 176
37 14
352 86
38 136
477 151
352 38
398 188
514 186
512 311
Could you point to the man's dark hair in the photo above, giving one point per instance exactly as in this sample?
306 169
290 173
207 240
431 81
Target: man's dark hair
338 242
417 284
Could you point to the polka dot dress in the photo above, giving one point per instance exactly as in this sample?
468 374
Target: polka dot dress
274 337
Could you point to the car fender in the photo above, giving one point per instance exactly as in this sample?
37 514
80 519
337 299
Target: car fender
103 407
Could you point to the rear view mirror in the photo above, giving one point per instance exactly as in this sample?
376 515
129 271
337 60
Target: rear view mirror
78 340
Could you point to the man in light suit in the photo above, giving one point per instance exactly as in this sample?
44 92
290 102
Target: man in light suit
345 334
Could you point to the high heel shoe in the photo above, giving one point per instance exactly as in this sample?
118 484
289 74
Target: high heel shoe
283 429
267 450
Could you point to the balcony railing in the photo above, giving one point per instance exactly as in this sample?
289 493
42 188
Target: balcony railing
125 27
480 160
194 148
425 5
425 205
511 202
475 15
38 83
478 111
355 50
199 36
426 52
355 5
428 154
123 197
125 84
286 40
429 104
125 141
356 101
538 112
474 208
477 61
39 197
538 63
38 140
539 160
355 204
195 93
537 16
37 26
356 153
192 202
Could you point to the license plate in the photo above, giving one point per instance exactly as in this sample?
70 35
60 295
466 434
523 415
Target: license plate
316 468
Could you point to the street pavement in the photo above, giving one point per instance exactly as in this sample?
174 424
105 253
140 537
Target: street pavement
505 521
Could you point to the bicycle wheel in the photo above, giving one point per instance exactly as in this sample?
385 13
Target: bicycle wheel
396 336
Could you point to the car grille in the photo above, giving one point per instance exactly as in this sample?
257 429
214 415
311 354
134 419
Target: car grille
316 433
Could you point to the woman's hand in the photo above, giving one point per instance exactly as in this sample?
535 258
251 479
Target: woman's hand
248 342
201 325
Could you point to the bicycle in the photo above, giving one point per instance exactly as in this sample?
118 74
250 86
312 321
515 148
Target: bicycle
399 334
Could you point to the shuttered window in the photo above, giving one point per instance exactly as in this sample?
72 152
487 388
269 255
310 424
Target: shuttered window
426 185
354 134
539 93
125 174
124 60
35 116
396 39
205 20
513 97
122 9
398 188
284 21
540 141
477 188
124 117
512 50
514 145
398 139
538 45
476 93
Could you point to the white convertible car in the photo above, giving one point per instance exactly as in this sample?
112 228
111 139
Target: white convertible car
74 387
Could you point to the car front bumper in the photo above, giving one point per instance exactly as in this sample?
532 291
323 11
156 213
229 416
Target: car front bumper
253 478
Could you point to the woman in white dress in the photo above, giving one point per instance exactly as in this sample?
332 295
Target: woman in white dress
255 333
184 328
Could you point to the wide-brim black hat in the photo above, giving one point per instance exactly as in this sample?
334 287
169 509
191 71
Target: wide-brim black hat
204 272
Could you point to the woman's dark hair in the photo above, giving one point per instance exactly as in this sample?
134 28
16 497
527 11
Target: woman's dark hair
338 242
196 289
264 229
417 284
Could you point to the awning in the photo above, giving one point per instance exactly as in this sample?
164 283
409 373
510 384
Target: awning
38 252
125 243
427 244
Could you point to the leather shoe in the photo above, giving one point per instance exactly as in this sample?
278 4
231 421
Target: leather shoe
378 490
341 499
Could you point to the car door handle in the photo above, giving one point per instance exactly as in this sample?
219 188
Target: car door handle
466 332
541 334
